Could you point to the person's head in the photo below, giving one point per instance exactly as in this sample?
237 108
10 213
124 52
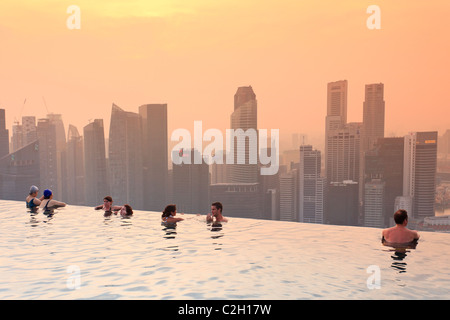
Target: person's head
401 217
126 210
48 194
169 210
34 190
216 208
107 199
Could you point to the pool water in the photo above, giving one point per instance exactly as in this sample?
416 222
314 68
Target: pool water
79 254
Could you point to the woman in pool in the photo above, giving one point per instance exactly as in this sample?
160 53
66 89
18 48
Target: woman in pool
125 210
32 200
169 214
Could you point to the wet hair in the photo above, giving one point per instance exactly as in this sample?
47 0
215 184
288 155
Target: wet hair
168 210
218 206
400 216
108 198
128 209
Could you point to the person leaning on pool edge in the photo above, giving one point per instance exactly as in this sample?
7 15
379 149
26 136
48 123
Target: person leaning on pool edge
400 233
169 214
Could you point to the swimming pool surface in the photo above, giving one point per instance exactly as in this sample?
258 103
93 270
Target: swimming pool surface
79 254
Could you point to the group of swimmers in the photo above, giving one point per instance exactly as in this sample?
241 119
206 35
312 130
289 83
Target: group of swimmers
47 203
395 235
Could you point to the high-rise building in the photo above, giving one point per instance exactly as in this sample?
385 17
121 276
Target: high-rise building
373 115
244 117
155 155
337 100
289 196
311 186
20 170
374 192
342 203
17 136
343 153
191 185
125 158
96 182
419 173
29 129
48 157
4 135
75 167
60 138
385 162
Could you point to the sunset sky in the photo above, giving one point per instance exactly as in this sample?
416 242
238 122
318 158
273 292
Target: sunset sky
193 55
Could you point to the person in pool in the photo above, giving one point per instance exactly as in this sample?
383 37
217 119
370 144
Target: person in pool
48 203
216 213
106 206
125 210
32 200
400 234
169 214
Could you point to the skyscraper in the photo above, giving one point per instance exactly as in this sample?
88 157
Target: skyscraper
4 135
244 117
337 100
191 185
155 155
125 158
419 173
46 133
75 167
289 195
373 115
95 163
311 186
374 193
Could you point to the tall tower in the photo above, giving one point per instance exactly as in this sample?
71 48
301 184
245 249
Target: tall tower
373 115
155 155
96 183
48 160
311 186
125 158
75 167
419 171
244 117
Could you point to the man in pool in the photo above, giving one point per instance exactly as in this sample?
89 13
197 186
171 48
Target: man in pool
399 233
216 212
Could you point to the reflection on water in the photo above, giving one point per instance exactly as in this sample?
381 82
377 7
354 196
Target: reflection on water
400 250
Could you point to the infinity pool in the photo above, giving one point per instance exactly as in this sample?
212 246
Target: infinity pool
79 254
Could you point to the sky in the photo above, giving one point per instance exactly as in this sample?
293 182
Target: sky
193 55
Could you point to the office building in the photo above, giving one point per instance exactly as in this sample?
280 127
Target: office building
155 155
75 167
96 182
48 156
373 115
374 192
4 135
342 203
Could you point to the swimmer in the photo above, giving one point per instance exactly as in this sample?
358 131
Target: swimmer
48 203
106 206
169 214
125 210
400 234
216 212
32 201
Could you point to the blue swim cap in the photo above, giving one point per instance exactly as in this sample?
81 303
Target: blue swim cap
47 193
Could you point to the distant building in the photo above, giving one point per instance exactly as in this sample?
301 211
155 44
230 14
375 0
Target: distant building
46 132
419 174
155 155
342 204
373 115
19 171
75 167
96 183
4 135
191 186
374 194
289 197
311 186
125 158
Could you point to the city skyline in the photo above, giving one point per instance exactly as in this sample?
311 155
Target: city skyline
193 55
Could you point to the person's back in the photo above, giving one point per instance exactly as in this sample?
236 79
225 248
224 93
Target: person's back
400 233
48 203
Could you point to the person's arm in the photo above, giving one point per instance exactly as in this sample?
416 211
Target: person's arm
55 203
98 207
416 235
116 208
209 217
37 201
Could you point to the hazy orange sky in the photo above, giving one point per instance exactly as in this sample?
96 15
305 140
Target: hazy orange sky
193 55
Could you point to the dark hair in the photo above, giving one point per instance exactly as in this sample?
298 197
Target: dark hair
218 206
108 198
400 216
128 209
168 210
